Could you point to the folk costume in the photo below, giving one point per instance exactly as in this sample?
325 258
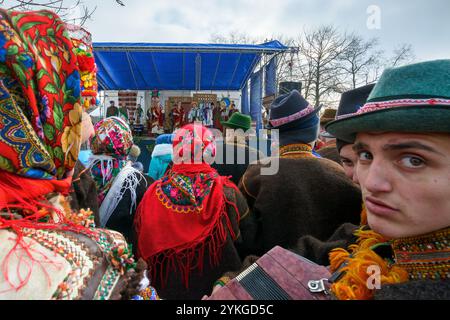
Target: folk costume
208 120
233 157
177 117
112 111
289 204
199 211
217 116
120 186
157 115
416 99
47 251
195 114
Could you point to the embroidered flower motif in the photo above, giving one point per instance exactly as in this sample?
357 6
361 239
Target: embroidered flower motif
121 258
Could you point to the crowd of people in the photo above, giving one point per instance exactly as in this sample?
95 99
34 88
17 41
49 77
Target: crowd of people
365 185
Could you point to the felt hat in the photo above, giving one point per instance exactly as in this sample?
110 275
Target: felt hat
411 98
290 110
351 101
296 120
238 121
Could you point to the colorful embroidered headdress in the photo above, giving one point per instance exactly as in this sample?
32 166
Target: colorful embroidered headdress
82 47
190 204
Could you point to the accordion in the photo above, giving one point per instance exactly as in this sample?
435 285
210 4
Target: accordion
278 275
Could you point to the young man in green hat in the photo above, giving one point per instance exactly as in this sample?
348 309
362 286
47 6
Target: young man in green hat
402 140
233 153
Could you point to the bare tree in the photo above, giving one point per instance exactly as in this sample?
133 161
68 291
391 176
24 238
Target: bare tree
360 61
402 54
320 51
234 37
73 11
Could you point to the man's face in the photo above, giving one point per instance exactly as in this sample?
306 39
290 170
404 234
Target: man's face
348 160
405 181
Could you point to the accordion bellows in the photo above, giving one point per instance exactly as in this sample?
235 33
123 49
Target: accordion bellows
278 275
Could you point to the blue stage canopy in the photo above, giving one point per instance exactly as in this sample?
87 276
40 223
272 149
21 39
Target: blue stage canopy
181 66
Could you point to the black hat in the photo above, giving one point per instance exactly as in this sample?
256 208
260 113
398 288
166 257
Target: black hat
354 99
296 119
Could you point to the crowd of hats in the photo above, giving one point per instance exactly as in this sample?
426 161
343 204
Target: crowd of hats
411 98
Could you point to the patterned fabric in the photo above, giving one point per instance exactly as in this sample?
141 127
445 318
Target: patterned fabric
183 193
190 204
114 139
193 144
399 260
148 293
40 114
46 250
104 175
75 265
424 257
299 150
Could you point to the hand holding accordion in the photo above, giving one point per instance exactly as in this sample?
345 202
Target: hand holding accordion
278 275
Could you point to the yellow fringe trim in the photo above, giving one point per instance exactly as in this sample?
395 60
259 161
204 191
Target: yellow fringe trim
353 284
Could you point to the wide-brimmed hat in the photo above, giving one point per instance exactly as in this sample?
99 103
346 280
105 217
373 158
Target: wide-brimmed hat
328 115
238 121
412 98
290 110
351 101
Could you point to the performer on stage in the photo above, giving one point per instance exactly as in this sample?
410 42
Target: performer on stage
112 110
232 110
207 115
217 119
195 114
178 116
157 114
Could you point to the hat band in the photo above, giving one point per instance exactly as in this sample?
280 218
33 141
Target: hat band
374 106
278 122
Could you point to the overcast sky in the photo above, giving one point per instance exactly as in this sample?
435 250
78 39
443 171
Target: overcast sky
425 24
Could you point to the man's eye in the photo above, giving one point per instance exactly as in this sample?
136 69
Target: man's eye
347 162
364 156
412 162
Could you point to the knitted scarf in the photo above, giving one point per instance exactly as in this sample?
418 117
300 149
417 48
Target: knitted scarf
190 205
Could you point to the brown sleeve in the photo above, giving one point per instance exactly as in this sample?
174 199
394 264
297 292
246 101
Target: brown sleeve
84 191
317 251
238 199
249 184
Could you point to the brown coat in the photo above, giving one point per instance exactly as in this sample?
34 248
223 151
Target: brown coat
83 194
308 196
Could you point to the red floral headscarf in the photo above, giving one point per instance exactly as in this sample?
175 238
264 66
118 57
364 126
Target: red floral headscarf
193 144
189 204
39 105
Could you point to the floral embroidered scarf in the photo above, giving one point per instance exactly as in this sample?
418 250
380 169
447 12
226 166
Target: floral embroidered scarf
110 145
40 114
190 205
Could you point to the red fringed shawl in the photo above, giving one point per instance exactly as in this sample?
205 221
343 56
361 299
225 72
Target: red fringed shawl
180 216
